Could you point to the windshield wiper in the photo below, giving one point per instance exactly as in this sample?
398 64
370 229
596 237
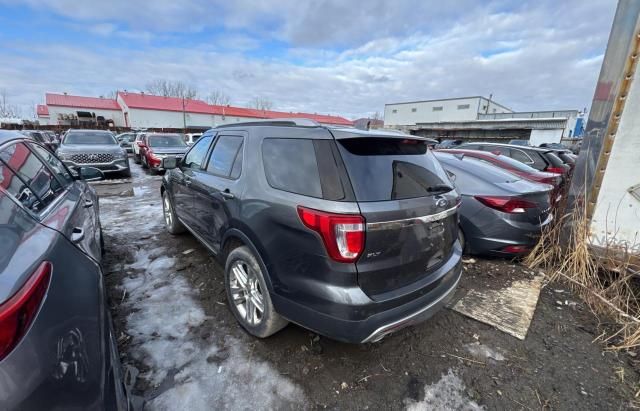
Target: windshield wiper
439 188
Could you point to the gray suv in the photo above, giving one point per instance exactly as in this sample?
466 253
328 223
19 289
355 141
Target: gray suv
349 233
94 148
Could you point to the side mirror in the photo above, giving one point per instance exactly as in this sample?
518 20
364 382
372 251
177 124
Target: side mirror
90 174
169 163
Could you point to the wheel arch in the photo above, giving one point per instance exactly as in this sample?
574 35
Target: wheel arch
235 237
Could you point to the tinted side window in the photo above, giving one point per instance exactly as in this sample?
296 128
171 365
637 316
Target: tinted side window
40 187
521 156
196 155
224 154
290 165
54 163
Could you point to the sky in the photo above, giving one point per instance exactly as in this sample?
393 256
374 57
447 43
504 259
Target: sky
325 56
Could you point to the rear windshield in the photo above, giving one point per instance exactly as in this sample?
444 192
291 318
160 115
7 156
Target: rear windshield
391 168
166 140
515 164
89 138
479 169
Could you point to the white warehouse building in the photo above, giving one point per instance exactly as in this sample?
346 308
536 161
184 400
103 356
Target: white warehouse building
481 118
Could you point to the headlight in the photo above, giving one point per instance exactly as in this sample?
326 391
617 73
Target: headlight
120 155
62 156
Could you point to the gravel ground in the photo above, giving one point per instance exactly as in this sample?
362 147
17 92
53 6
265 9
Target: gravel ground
184 350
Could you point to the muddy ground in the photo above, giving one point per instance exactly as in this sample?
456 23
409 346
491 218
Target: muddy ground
449 361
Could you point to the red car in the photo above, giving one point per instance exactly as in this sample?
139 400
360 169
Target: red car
156 146
515 167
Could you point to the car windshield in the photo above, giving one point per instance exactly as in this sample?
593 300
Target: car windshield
90 138
166 140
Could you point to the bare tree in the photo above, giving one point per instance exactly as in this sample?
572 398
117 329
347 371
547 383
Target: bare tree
218 98
7 110
261 103
112 95
376 116
171 88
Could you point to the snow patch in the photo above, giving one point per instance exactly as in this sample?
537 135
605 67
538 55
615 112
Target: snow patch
164 324
445 394
483 352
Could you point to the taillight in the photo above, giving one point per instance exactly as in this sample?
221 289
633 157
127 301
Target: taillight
550 180
342 234
18 312
558 170
511 205
516 249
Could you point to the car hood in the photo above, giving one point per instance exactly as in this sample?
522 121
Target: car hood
169 150
90 148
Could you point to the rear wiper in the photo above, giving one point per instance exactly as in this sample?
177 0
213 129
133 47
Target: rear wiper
439 188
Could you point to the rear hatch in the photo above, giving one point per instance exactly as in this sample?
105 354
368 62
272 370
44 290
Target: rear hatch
409 206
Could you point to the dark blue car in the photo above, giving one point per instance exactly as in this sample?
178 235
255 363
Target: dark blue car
57 348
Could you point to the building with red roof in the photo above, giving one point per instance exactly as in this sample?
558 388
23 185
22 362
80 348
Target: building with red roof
141 110
63 109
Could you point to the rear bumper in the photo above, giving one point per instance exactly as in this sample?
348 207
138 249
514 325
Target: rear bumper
341 320
502 233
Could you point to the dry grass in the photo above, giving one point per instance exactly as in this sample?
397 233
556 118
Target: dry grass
605 282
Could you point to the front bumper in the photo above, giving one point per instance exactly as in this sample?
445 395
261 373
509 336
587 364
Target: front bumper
341 322
112 167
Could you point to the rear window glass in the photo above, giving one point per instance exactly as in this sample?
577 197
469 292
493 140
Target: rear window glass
391 168
481 170
290 165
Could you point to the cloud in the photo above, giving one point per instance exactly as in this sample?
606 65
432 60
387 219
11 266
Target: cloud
530 56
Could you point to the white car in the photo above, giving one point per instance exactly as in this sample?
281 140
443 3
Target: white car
136 147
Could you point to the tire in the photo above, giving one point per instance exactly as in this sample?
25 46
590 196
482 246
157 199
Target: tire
242 262
144 162
463 241
174 226
136 158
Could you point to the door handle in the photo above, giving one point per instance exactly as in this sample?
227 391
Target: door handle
88 203
77 235
227 194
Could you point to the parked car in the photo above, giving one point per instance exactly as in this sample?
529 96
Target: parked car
516 167
136 147
94 148
501 214
42 138
539 158
126 141
191 138
57 345
156 146
449 143
349 233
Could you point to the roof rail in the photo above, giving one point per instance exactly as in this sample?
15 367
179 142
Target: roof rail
291 122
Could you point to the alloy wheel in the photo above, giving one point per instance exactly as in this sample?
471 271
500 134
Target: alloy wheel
246 292
168 217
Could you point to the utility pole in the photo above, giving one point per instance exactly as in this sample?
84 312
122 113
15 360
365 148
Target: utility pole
488 104
184 117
